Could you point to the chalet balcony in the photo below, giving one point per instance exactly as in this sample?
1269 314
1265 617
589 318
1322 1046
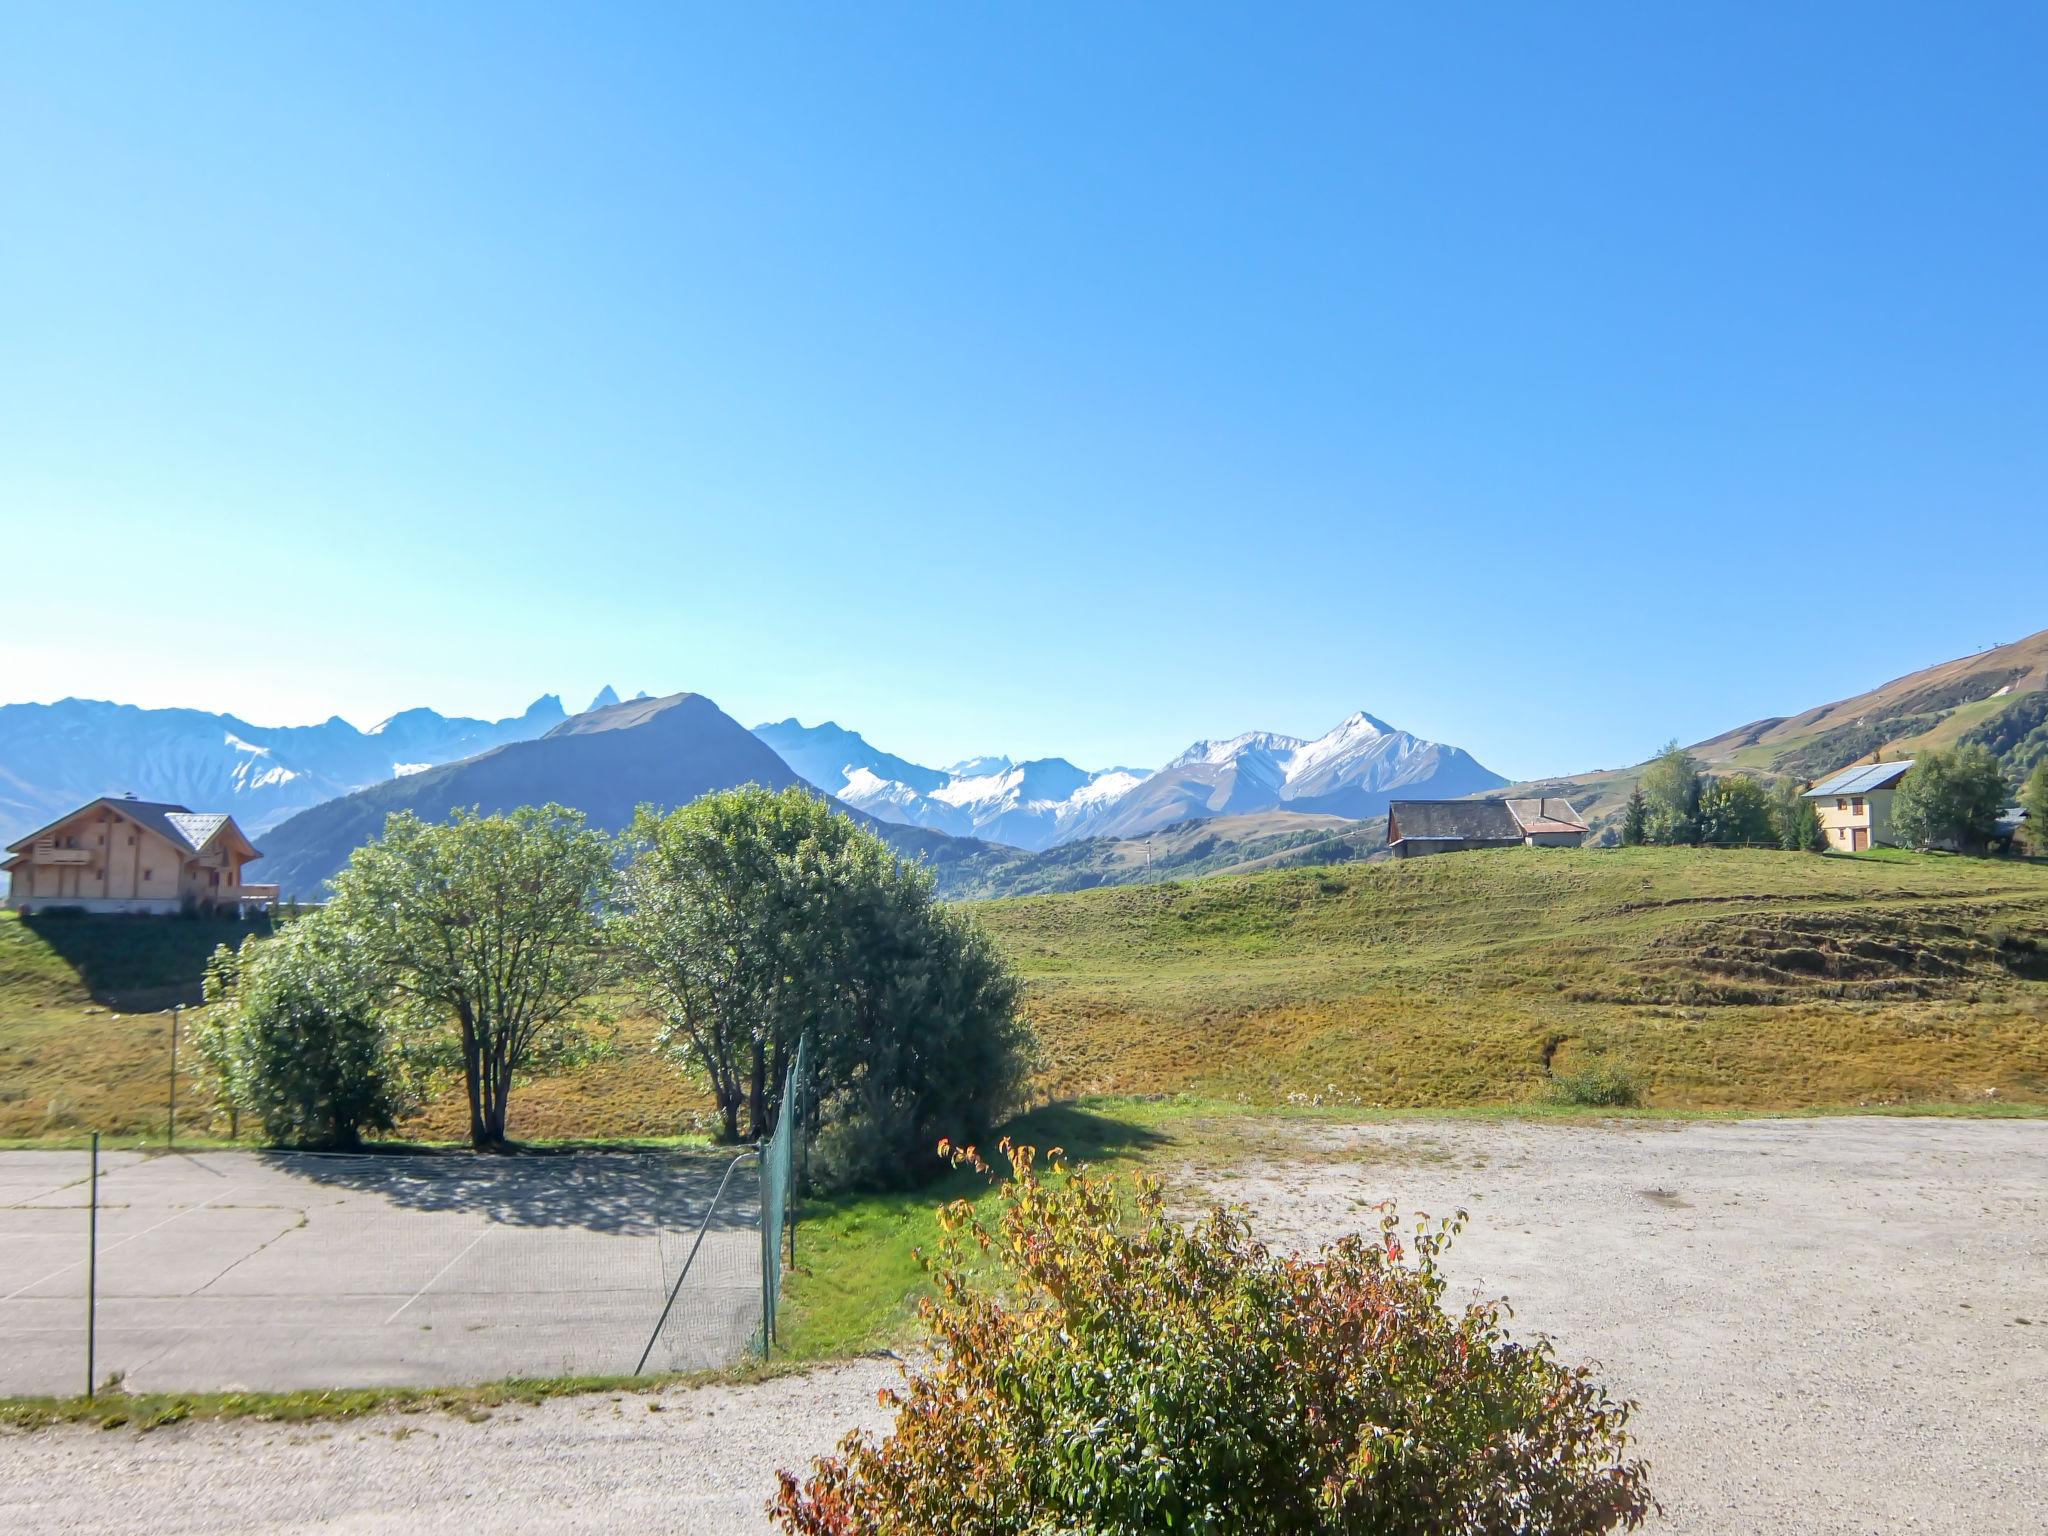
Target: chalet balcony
47 852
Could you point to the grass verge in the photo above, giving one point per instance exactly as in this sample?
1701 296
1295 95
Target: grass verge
114 1409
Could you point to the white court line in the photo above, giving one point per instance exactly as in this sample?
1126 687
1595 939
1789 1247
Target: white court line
416 1295
110 1247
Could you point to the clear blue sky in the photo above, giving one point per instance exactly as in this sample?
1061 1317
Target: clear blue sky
1043 379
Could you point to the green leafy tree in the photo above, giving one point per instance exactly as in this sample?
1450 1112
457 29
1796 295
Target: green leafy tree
750 918
1635 819
298 1034
489 923
2034 800
1103 1372
1735 812
1949 799
1671 790
1794 821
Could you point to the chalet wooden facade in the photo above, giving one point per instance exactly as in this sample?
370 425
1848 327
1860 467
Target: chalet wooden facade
129 855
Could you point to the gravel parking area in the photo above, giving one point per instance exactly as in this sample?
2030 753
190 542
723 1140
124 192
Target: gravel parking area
1832 1326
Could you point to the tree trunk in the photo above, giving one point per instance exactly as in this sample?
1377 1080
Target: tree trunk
473 1081
757 1099
497 1097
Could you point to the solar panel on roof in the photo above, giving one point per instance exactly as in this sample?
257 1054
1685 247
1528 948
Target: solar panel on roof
1862 779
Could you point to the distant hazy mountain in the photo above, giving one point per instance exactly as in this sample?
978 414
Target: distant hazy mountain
1211 845
54 757
1353 771
1028 805
604 763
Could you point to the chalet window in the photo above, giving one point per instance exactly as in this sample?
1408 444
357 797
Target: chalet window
149 874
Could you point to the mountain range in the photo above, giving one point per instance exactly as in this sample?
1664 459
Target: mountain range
989 825
1352 771
605 762
57 756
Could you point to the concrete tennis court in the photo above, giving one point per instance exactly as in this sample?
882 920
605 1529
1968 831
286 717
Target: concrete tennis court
225 1270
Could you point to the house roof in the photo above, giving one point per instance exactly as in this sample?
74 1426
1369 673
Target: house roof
1861 779
1547 813
182 828
1453 820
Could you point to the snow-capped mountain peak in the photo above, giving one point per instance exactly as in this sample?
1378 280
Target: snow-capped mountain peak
1031 804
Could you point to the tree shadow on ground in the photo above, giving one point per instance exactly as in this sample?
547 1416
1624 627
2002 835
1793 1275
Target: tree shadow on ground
617 1192
1084 1135
136 963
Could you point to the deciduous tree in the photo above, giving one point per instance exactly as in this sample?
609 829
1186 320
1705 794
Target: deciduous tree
1735 812
750 918
1949 799
1794 820
1671 790
2034 800
490 923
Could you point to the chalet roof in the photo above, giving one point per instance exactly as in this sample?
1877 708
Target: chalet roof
1451 820
1547 813
182 828
1861 779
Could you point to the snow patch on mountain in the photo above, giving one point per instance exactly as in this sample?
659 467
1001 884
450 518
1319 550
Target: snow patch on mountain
1029 804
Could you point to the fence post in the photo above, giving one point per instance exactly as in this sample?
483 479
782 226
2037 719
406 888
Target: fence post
92 1262
172 1134
770 1242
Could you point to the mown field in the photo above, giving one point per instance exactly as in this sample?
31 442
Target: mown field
1721 979
1714 979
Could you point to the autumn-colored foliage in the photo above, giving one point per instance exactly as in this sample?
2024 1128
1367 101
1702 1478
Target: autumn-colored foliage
1102 1370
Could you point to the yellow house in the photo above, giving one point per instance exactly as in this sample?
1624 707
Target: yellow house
129 855
1855 806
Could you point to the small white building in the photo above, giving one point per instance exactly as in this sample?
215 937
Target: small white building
1855 805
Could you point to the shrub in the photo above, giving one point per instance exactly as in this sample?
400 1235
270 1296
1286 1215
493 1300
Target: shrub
1794 820
1104 1378
1599 1086
296 1036
748 919
1735 812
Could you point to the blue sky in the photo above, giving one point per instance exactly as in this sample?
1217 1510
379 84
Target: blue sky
1049 379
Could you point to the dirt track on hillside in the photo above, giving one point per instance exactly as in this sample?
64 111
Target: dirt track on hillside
1832 1326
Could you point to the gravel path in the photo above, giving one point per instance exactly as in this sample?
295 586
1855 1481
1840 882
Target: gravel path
1823 1321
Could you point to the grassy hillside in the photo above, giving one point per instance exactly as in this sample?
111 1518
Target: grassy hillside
1185 851
1734 980
1997 698
1717 979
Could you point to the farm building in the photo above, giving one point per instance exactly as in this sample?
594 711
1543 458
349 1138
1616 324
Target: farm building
129 855
1416 827
1855 805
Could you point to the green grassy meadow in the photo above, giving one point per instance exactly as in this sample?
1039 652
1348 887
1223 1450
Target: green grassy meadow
1181 1023
1718 980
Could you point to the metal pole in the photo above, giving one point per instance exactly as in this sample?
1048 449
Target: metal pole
770 1242
92 1262
172 1137
702 1227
